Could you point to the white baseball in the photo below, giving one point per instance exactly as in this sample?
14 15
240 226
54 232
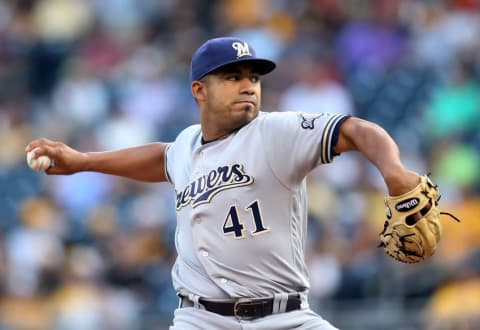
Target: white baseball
39 164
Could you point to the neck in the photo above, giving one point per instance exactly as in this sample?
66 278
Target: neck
210 138
212 129
215 127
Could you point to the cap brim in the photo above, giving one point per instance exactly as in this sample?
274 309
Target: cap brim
261 66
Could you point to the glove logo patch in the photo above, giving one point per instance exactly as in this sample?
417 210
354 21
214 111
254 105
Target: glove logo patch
407 204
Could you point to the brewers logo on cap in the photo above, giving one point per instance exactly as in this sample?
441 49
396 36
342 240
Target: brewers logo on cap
241 48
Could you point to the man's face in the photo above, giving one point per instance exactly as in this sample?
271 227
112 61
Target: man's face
232 95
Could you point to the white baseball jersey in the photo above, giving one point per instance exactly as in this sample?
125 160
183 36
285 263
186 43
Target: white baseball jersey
242 205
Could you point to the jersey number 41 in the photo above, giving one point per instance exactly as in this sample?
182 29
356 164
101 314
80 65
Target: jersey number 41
233 225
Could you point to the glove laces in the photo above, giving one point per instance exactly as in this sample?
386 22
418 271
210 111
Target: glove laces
451 216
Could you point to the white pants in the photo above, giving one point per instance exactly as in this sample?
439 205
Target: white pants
191 318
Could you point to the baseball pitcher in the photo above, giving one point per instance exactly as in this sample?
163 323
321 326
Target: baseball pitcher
239 179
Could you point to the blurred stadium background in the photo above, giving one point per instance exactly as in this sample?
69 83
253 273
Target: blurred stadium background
94 252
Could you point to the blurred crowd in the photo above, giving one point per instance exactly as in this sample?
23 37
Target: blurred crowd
92 251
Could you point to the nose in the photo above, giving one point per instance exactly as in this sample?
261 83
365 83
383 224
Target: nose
247 86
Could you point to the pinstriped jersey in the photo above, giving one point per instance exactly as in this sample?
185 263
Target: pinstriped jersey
242 206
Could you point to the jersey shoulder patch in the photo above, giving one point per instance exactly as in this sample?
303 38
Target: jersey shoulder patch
308 119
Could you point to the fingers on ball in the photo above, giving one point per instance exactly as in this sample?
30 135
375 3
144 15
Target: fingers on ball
39 143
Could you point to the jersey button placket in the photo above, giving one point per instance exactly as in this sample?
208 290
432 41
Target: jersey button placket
196 171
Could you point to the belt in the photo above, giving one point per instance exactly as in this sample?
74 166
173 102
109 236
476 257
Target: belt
244 308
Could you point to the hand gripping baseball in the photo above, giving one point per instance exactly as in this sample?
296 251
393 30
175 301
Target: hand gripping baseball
413 229
40 163
54 157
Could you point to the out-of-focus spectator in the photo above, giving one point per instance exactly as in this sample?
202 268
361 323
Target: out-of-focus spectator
85 301
123 130
78 194
458 242
454 111
34 251
25 312
14 133
146 92
456 165
444 310
55 25
376 43
62 20
316 88
81 99
440 25
324 268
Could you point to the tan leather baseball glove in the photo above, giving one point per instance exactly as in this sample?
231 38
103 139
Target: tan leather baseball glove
413 229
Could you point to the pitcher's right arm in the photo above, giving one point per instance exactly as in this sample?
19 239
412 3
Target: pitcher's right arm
142 163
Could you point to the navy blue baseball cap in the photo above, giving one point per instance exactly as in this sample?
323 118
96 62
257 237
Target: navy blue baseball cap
218 52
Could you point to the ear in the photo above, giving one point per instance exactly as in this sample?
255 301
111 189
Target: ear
199 90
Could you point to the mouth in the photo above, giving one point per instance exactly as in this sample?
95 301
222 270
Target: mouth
246 102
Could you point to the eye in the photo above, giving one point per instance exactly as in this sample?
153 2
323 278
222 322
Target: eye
255 79
233 77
